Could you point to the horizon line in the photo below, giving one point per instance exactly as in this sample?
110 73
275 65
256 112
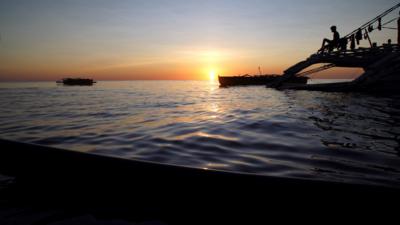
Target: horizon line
8 81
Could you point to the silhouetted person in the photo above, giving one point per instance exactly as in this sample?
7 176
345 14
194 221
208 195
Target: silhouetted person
331 43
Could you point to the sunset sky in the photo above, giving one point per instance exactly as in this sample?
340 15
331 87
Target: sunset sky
171 39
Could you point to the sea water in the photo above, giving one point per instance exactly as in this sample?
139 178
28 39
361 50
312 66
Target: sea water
350 137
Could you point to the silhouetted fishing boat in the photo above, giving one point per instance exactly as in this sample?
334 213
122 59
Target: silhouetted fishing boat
76 81
256 80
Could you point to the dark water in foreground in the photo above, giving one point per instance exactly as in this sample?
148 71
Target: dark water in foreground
328 136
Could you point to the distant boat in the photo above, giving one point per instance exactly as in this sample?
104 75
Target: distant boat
77 81
256 80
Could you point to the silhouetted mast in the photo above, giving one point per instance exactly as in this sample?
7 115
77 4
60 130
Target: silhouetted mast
370 23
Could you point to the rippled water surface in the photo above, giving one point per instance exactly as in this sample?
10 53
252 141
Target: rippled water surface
329 136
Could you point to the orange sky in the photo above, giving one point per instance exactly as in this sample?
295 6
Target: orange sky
176 39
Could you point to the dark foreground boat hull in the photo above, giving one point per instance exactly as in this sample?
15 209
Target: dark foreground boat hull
256 80
63 178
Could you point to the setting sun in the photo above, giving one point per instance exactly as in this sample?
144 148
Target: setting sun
212 75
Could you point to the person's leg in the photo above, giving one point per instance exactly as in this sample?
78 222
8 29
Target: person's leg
324 42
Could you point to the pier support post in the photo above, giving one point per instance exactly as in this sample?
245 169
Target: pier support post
398 30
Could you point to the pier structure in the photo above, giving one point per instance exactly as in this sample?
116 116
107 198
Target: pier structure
381 64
